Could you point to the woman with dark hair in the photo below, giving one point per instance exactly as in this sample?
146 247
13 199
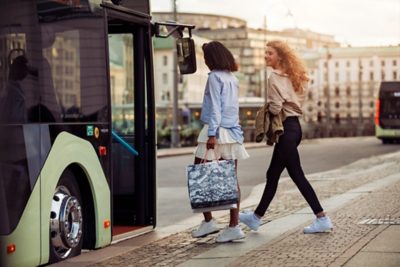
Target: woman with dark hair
285 93
222 132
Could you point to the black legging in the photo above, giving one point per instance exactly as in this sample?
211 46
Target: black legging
286 155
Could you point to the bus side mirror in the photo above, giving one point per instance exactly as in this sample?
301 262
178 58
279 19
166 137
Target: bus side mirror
184 45
186 55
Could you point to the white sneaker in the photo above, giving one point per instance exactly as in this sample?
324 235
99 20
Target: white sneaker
319 225
250 219
230 234
205 229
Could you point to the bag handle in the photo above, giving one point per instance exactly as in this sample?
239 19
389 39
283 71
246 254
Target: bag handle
204 159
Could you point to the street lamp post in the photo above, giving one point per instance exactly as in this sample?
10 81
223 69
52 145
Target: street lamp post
360 118
265 65
328 95
175 130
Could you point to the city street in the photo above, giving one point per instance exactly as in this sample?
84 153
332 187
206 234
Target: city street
360 196
102 104
317 155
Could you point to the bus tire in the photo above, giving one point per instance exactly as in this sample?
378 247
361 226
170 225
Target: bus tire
66 219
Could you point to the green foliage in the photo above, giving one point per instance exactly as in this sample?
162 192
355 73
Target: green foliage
187 135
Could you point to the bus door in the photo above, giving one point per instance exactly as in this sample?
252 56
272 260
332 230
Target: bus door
132 110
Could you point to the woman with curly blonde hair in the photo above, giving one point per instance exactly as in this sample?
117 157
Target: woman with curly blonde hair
290 64
285 92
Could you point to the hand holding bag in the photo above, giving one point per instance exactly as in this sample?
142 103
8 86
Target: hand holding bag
212 185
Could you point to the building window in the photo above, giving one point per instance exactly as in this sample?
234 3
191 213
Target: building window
348 63
326 90
348 91
371 63
394 63
394 75
371 76
165 96
165 78
383 63
165 60
383 76
337 64
337 91
337 76
337 105
349 104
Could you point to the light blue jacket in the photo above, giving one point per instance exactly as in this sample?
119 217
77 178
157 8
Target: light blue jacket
221 104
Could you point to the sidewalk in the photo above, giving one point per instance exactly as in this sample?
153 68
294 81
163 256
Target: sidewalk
362 200
365 233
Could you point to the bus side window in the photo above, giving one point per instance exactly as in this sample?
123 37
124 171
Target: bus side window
13 106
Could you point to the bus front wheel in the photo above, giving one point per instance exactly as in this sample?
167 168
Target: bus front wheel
66 220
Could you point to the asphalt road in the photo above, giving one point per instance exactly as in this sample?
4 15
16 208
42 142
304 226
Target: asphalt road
317 155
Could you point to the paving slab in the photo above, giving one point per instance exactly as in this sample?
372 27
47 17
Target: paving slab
373 259
383 250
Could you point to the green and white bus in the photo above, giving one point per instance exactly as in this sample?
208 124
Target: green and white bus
77 125
387 112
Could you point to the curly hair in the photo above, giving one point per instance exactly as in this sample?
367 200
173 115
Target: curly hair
291 64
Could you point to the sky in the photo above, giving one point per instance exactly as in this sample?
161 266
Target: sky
351 22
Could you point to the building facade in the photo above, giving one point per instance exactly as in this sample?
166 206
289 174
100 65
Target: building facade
343 88
248 44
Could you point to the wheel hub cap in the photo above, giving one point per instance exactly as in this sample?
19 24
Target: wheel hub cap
65 222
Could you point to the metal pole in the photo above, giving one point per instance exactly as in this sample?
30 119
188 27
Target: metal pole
175 130
360 118
265 65
328 95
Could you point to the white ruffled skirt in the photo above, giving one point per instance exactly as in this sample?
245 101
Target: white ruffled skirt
226 147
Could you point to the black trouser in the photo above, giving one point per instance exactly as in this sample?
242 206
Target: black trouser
286 155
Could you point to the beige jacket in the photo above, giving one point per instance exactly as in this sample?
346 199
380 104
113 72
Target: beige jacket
281 96
282 102
268 125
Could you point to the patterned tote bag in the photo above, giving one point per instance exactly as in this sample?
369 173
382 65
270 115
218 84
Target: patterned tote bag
212 185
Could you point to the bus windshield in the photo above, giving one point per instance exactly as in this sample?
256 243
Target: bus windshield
389 105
